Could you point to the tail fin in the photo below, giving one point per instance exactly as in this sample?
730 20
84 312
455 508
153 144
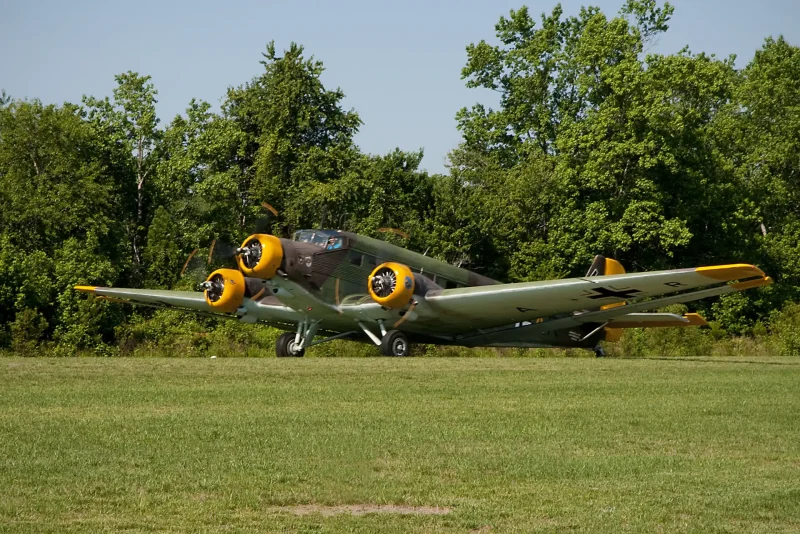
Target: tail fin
602 266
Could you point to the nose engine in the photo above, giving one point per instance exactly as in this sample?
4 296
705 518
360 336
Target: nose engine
224 290
260 256
391 284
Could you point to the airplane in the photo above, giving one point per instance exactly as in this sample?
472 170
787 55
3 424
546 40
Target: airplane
323 285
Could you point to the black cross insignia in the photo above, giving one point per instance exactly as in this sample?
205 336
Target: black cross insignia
604 293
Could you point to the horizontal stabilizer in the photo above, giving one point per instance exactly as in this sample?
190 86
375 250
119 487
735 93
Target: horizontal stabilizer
654 320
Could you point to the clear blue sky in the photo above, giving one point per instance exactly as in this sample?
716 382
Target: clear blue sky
399 63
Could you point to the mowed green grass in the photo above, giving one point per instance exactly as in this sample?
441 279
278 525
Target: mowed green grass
507 444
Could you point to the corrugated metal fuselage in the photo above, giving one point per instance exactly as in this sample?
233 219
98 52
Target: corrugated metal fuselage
337 276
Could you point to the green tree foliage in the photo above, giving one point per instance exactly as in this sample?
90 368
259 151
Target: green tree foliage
59 206
295 129
627 134
766 132
129 127
660 161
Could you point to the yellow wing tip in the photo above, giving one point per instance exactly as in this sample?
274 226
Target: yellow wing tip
695 319
86 289
735 271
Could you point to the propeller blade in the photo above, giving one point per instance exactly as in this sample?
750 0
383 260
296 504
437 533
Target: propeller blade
270 208
405 315
395 231
185 265
211 250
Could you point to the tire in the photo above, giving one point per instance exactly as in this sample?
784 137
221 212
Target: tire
599 352
395 343
285 347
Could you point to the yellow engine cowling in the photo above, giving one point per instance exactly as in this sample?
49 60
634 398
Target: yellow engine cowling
260 256
224 290
391 284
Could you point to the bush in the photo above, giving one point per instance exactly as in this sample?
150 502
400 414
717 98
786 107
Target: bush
785 328
165 332
27 329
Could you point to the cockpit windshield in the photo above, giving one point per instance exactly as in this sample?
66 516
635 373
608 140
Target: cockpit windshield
327 239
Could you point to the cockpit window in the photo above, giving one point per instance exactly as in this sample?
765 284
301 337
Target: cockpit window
327 239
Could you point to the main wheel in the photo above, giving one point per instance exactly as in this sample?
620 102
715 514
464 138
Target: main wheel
395 343
285 346
599 351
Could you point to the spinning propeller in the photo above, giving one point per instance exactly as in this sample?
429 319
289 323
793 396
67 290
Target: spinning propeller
221 254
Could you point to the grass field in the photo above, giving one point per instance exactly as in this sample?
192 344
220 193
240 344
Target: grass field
454 444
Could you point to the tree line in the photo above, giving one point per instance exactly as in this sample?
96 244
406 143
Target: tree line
597 146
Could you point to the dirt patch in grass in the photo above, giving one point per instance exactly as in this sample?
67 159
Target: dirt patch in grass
360 509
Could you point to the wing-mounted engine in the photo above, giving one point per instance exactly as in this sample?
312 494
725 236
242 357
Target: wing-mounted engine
224 290
391 285
260 256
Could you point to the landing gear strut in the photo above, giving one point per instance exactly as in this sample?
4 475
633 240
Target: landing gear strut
395 343
285 346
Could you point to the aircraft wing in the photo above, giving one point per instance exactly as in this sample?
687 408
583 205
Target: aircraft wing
267 309
191 300
485 307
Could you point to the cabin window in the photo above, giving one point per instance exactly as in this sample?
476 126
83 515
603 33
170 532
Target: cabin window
370 261
356 258
449 284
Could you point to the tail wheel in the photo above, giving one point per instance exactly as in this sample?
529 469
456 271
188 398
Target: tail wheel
286 347
395 343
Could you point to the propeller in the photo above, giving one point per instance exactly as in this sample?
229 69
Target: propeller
395 231
200 263
214 287
384 282
220 253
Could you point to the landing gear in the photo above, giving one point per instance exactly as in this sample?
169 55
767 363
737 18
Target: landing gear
599 351
285 346
395 343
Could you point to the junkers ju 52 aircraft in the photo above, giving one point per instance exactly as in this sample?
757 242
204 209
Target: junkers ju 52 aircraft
328 284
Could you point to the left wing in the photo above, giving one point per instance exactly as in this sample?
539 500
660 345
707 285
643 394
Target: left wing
624 316
498 305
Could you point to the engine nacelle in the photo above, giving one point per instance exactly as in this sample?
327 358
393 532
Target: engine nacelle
391 284
224 290
260 256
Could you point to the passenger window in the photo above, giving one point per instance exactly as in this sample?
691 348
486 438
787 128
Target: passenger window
371 261
449 284
356 258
